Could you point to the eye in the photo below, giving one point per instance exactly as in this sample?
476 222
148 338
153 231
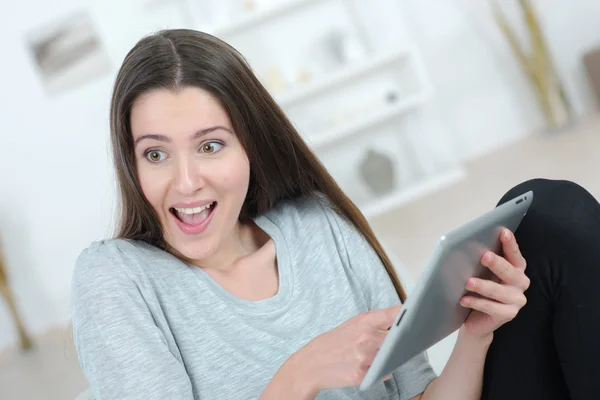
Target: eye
211 147
155 156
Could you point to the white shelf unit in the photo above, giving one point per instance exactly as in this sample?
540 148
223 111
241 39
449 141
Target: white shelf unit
411 179
255 18
413 192
352 71
348 129
355 95
274 35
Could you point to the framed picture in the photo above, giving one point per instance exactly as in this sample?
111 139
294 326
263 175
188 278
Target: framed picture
68 52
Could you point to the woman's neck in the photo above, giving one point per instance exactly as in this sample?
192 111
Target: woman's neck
245 240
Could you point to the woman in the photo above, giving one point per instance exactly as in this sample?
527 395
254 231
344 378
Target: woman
240 270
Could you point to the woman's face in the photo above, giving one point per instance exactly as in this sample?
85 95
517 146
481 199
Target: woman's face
191 168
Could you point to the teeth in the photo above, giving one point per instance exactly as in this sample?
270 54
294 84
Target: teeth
194 210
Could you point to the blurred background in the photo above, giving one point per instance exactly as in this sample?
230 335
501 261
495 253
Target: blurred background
425 111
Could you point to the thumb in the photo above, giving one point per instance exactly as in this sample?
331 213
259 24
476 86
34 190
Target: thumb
389 376
383 318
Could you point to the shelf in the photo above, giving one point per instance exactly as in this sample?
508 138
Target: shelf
260 16
413 192
337 78
375 118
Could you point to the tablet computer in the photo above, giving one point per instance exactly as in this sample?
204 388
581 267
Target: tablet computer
433 311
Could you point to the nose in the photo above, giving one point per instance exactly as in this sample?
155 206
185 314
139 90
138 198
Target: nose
188 178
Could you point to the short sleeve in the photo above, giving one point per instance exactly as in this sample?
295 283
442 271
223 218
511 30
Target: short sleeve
121 350
413 377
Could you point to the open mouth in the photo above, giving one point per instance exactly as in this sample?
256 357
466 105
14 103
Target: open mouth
193 216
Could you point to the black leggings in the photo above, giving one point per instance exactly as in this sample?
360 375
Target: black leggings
551 350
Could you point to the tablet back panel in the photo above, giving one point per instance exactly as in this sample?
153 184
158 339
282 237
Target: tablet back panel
432 311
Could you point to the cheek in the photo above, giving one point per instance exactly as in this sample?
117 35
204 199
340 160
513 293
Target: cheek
236 174
152 186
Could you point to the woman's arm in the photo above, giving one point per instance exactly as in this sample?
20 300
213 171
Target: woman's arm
290 382
463 374
122 352
461 378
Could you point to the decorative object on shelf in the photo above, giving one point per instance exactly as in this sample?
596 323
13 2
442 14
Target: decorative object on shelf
335 49
275 81
24 340
304 76
249 5
68 53
591 62
391 97
378 172
538 66
334 46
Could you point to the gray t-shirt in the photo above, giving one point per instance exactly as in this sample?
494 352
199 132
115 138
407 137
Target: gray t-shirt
148 326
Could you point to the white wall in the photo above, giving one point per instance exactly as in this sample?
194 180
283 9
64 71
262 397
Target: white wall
56 187
56 182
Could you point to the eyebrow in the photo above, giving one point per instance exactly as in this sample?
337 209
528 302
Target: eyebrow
163 138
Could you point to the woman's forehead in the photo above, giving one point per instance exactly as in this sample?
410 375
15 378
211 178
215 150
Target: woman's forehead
163 110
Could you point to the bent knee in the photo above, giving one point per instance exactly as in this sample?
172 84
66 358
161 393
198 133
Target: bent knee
560 206
552 190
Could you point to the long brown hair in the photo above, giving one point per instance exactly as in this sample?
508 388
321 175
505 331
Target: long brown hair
282 166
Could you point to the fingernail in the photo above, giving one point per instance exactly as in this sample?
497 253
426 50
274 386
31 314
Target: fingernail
471 283
464 301
487 257
506 234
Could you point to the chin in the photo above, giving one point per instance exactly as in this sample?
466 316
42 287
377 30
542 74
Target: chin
195 249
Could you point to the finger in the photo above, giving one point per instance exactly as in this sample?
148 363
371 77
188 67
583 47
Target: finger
511 250
368 350
368 345
369 340
389 376
377 338
496 291
382 318
498 311
504 270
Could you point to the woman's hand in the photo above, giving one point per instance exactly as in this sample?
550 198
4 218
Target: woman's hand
341 357
500 301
